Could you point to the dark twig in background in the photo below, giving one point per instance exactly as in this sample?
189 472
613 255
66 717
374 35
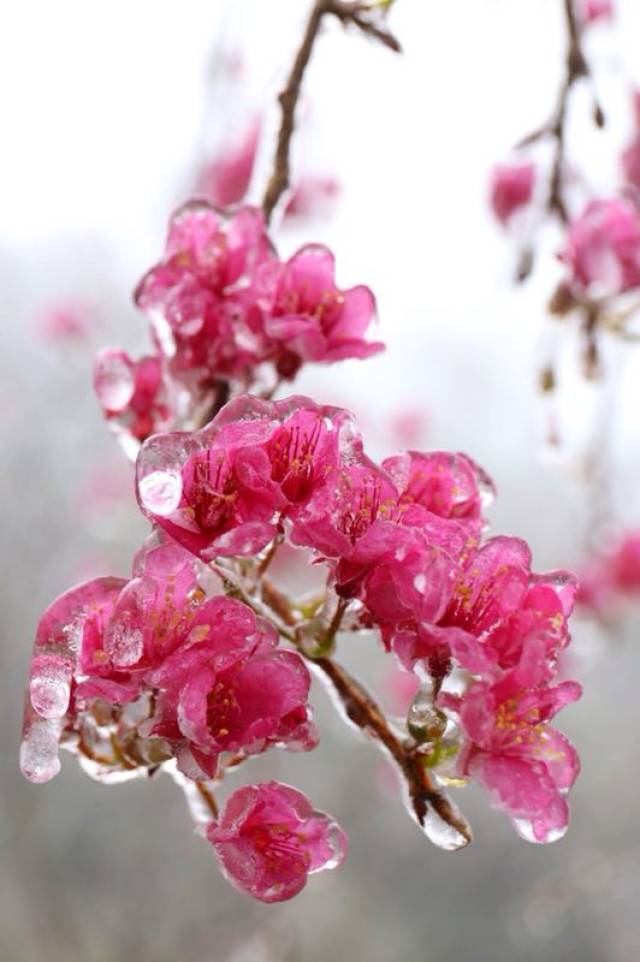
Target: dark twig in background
576 67
369 22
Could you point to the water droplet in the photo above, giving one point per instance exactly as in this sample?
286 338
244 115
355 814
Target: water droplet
39 758
160 492
124 644
113 379
424 721
524 828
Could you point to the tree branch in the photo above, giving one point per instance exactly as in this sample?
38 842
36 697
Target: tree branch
576 67
363 712
358 14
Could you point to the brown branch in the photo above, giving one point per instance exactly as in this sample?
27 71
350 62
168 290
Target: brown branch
357 14
221 396
363 712
576 67
366 715
207 796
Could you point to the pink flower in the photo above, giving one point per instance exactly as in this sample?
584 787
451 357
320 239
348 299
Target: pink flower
510 748
197 297
344 509
394 554
593 10
224 490
311 196
308 317
626 563
218 681
611 575
269 840
499 616
448 485
511 188
603 246
226 180
133 395
230 689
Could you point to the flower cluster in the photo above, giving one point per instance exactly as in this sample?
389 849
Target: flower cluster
132 675
599 245
403 546
226 315
182 666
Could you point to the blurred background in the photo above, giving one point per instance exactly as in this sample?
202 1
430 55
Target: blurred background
110 112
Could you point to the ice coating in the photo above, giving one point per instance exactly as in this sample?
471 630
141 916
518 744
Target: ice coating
39 755
199 661
156 669
443 834
424 721
113 379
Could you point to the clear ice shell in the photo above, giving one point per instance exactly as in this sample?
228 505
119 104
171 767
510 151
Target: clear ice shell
524 829
39 757
50 685
114 380
337 840
160 492
442 834
424 721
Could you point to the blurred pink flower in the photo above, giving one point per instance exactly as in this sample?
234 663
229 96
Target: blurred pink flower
311 196
593 10
603 246
226 179
611 575
630 157
69 320
511 188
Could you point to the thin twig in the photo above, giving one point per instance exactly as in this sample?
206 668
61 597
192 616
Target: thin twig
208 799
357 14
576 67
365 714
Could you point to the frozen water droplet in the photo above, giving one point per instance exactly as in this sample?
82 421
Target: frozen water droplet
160 492
39 758
442 834
524 828
113 379
424 721
337 842
50 686
124 644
